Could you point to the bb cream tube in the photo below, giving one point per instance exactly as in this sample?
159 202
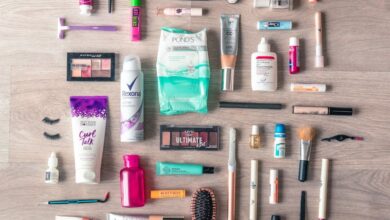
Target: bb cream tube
229 47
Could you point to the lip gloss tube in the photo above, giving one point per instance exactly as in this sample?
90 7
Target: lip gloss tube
135 20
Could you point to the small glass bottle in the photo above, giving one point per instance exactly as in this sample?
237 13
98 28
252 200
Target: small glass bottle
132 182
254 139
52 174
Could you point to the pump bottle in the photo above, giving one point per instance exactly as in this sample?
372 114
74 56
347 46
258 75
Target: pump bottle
264 72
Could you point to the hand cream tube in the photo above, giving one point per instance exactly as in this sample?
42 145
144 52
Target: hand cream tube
89 115
229 47
182 169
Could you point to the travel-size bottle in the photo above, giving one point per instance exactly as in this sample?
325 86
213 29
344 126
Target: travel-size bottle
254 138
132 182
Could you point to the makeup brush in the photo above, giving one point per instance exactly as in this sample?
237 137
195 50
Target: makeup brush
77 201
61 28
203 205
306 135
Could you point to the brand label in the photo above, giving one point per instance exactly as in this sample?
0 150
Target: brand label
87 138
131 93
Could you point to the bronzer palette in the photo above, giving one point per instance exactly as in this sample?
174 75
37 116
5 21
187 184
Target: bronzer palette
91 66
189 137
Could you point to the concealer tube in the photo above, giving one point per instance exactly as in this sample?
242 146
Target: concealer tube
313 110
229 48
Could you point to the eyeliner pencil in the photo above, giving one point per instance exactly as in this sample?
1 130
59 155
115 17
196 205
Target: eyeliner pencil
303 206
250 105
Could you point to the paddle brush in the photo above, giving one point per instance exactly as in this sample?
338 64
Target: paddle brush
204 205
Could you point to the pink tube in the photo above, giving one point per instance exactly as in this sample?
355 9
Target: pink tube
86 7
293 56
136 20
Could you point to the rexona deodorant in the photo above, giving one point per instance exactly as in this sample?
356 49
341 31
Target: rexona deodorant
132 100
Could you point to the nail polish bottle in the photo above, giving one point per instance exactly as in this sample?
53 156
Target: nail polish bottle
132 182
254 139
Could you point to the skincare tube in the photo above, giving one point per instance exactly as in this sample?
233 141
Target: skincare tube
89 114
181 169
229 48
111 216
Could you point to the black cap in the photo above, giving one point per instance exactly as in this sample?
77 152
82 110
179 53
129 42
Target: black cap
173 218
275 217
208 170
340 111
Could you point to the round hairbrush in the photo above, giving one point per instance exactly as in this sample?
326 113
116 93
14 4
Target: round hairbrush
204 205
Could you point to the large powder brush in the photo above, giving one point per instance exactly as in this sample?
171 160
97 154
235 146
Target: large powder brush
204 205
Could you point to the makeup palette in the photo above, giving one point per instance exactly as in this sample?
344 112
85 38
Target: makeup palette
189 137
91 67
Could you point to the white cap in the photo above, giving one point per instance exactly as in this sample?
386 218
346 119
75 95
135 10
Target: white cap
196 11
294 41
255 130
85 176
273 180
263 46
131 63
261 3
319 62
53 160
86 10
273 175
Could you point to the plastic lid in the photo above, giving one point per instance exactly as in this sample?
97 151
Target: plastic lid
263 46
255 130
280 128
85 9
135 2
319 62
275 217
196 11
294 41
340 111
208 170
131 63
53 160
273 174
89 175
131 160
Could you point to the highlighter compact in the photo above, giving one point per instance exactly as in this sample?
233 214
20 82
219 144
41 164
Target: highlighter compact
91 67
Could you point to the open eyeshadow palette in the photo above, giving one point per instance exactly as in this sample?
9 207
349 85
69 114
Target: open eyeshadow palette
189 137
91 66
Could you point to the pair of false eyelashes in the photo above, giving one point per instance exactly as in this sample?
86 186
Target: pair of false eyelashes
50 121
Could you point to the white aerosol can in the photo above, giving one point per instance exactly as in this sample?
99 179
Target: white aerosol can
132 100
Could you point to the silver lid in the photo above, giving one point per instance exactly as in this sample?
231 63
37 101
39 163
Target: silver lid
227 83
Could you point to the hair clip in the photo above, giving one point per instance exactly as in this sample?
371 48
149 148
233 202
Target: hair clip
342 137
51 136
50 121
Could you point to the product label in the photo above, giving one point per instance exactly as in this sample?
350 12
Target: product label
280 148
132 108
293 60
135 16
229 34
265 69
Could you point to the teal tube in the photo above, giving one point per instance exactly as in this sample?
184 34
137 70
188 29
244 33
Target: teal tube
179 169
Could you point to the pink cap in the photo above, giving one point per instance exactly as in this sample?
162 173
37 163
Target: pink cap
131 160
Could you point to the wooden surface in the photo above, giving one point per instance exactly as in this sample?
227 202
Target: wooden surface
33 85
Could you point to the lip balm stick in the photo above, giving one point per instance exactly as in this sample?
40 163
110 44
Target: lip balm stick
232 175
323 189
319 59
253 190
274 182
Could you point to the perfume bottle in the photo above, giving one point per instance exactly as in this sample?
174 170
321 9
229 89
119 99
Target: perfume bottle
254 139
132 182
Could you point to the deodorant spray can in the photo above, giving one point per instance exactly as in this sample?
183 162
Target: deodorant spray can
132 100
280 141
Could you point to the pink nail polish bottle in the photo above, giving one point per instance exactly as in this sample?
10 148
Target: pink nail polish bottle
132 182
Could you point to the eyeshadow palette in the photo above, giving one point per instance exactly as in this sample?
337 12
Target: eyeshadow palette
91 66
189 137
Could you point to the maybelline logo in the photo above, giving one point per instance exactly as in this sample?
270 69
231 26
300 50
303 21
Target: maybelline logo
130 92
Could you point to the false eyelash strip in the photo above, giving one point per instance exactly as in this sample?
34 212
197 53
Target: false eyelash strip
52 136
50 121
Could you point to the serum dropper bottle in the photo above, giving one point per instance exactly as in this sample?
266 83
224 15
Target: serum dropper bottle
254 138
52 174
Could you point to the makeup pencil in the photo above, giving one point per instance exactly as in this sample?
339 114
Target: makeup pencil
302 214
319 58
232 175
323 189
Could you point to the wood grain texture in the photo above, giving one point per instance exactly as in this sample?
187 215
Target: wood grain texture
33 85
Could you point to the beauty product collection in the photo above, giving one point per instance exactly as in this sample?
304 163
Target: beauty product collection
183 77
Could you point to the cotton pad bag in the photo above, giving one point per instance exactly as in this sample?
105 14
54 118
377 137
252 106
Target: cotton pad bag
183 71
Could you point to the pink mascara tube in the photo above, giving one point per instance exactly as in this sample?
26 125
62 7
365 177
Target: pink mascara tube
135 20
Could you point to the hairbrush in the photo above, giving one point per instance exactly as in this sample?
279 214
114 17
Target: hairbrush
342 137
50 121
204 205
51 136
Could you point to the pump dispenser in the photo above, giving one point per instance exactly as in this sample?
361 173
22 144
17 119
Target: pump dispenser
264 72
132 182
